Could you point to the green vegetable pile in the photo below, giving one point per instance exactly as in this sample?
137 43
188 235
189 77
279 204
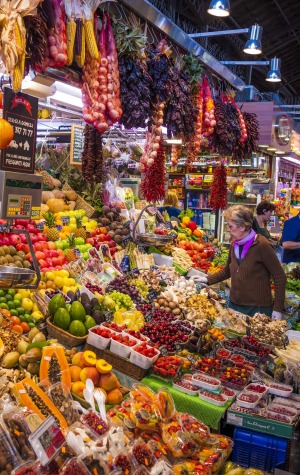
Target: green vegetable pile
293 286
221 259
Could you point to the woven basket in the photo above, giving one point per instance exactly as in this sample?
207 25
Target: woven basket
64 337
80 203
119 363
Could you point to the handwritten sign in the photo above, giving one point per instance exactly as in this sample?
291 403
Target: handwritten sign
77 142
20 110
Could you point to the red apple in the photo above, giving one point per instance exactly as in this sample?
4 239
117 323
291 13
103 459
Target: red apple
33 238
101 238
56 261
107 237
40 255
90 241
42 263
49 262
31 228
6 241
41 237
53 253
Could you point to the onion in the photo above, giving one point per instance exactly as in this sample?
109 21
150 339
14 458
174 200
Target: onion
150 162
104 63
51 40
153 154
157 138
155 146
114 114
160 121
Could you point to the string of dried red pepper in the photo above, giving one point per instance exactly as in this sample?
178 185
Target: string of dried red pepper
154 181
218 196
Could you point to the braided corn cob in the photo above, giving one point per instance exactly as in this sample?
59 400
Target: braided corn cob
71 33
18 71
90 39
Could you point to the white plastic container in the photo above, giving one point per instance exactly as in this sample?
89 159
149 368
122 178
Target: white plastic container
141 360
196 273
161 260
98 341
120 349
287 402
207 398
278 408
229 393
190 392
293 335
211 383
248 405
84 290
274 388
250 388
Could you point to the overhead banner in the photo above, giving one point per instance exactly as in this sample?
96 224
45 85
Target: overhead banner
20 110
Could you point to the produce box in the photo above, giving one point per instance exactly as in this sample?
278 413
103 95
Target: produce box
260 424
119 363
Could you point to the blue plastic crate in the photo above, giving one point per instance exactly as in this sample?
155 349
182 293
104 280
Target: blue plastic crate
252 449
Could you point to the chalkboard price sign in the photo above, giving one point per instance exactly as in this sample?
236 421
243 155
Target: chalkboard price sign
77 140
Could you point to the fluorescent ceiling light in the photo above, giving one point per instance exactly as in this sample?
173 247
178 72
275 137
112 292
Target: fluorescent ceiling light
67 89
280 152
292 160
263 146
173 141
272 149
63 98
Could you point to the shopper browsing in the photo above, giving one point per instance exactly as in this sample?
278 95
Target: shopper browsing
171 204
263 212
251 265
291 240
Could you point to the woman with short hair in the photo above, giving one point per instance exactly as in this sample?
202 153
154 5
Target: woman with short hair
251 265
263 212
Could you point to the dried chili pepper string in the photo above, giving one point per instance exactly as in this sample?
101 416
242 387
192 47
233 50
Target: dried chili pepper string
218 196
154 182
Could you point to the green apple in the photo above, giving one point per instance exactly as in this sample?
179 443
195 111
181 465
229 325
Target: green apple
79 240
65 244
59 244
85 256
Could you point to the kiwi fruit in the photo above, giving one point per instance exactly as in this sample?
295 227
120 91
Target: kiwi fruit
9 258
3 261
6 250
2 253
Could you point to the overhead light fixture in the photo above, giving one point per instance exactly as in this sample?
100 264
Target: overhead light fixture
274 74
272 149
173 141
292 160
263 146
219 8
280 152
253 44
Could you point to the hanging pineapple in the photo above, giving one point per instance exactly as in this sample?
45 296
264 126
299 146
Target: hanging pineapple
50 230
80 231
71 254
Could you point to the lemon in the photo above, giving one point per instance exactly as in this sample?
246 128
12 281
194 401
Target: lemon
45 114
59 282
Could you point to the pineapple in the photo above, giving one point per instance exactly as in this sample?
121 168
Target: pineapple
71 255
51 231
80 231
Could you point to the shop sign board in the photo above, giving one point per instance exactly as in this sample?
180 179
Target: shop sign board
260 424
77 142
20 110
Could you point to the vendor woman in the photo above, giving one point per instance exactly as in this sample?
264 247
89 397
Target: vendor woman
263 212
251 265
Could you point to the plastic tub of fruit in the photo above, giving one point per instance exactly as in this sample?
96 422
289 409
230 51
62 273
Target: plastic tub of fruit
80 438
285 411
229 393
137 335
96 339
256 411
74 466
186 387
213 398
277 417
142 360
93 421
207 382
287 402
260 389
17 431
223 353
280 389
84 290
248 400
119 347
50 293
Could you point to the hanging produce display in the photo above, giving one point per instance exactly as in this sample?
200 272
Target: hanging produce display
243 150
218 196
227 132
101 83
13 37
153 137
36 41
135 80
209 120
92 156
154 183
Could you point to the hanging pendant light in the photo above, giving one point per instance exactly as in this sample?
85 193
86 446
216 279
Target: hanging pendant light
253 44
274 74
219 8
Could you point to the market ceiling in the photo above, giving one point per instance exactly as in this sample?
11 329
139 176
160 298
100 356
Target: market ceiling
281 38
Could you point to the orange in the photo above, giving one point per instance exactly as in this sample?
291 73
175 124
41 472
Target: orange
6 133
5 312
17 328
15 320
25 326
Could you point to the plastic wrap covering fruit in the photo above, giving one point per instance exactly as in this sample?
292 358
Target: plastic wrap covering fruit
179 442
190 467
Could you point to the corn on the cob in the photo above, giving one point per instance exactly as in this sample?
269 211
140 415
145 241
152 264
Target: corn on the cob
80 58
71 33
90 39
18 71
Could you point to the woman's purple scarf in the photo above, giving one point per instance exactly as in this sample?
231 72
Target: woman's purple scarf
246 242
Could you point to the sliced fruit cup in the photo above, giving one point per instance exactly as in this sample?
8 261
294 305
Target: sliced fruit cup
237 359
204 381
221 442
96 339
87 437
122 349
142 360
